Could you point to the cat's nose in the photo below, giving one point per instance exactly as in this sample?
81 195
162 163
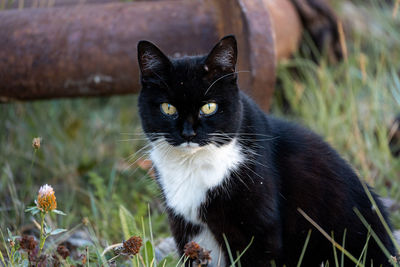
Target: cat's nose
188 132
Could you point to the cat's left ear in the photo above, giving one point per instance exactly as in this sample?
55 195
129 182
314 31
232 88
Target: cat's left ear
152 62
223 56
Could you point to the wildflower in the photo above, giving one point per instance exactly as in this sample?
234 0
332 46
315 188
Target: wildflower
12 243
199 255
395 259
132 245
36 142
191 250
85 221
83 259
46 200
27 243
63 251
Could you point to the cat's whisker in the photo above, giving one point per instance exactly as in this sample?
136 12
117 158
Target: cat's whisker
257 162
132 139
241 133
223 76
147 175
146 153
244 134
133 133
248 168
137 152
133 163
237 176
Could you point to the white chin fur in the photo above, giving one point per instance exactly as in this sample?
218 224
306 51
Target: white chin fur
188 171
189 147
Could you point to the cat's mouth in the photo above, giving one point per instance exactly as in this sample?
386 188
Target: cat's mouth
189 147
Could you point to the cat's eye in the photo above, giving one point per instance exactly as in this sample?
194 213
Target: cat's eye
168 109
209 109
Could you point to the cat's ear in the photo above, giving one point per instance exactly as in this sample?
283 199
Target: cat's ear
223 56
152 62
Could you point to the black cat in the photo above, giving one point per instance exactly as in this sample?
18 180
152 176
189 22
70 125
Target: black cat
227 168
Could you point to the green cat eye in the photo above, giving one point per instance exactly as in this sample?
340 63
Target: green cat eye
168 109
209 109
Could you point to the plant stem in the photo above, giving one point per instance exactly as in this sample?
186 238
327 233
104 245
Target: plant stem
29 180
42 235
33 160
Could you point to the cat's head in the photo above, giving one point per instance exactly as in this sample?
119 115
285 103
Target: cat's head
190 101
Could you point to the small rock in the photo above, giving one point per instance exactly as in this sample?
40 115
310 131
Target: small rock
166 247
397 236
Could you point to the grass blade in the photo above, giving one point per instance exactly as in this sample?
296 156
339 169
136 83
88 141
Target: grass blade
343 245
244 250
228 248
322 231
303 251
334 251
378 212
374 235
151 235
363 254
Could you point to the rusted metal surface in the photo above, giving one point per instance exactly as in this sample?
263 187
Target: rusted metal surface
5 4
286 26
250 22
91 49
21 4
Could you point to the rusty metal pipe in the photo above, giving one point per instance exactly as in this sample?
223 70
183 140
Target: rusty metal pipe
91 49
20 4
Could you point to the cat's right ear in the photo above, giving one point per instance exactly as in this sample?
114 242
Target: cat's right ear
222 58
152 62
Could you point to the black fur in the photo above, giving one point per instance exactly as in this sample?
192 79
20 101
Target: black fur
288 167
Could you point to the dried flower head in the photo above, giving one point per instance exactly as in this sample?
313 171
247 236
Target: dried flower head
132 245
12 243
46 200
63 251
28 243
192 250
199 255
36 142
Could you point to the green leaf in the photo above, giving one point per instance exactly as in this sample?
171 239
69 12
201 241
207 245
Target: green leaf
147 253
2 259
5 246
10 235
17 256
47 229
57 231
127 223
25 263
167 259
35 211
59 212
31 208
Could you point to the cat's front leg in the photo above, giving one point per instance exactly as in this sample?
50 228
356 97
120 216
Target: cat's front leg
183 232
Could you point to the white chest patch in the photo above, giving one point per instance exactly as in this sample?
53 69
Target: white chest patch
188 172
206 240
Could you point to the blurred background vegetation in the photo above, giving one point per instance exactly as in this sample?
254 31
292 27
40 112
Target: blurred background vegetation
89 145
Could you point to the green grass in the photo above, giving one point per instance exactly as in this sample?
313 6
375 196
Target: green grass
351 109
83 158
